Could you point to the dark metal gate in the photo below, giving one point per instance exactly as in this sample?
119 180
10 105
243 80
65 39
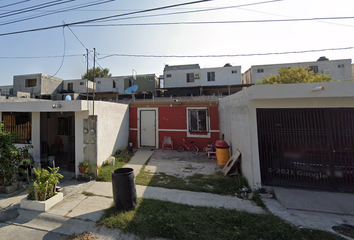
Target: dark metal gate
307 148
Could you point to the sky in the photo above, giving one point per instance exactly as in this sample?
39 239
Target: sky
43 51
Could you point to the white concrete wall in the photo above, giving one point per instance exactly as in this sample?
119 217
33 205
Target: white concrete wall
238 120
77 87
106 84
338 73
112 128
5 89
223 76
79 137
179 78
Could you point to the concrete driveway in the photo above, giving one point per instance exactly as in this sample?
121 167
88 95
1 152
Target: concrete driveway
182 164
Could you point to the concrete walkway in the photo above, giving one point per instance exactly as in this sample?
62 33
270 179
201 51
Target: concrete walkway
78 213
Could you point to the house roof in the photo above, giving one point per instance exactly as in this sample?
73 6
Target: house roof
181 67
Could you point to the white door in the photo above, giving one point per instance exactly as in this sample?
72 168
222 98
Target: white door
148 128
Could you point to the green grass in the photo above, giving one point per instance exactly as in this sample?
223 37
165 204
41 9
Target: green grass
155 218
105 174
216 183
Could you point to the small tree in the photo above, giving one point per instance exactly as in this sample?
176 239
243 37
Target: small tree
99 73
295 75
10 155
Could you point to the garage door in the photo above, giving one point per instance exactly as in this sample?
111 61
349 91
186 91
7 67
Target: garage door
307 148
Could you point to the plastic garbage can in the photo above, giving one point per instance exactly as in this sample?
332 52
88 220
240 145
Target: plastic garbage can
124 191
222 152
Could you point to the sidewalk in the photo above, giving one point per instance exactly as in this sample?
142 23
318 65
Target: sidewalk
78 213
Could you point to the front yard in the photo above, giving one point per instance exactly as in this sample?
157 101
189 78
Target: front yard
161 219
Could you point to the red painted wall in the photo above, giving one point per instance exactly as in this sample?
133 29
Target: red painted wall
175 118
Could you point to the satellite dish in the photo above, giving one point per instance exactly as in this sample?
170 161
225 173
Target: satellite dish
131 90
68 98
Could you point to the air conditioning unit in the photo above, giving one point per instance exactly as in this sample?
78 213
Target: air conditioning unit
196 76
327 72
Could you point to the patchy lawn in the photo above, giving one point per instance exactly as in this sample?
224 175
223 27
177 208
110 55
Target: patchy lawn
155 218
121 159
216 183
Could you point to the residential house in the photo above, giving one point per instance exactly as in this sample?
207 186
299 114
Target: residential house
39 85
191 80
293 135
69 131
193 119
338 69
6 90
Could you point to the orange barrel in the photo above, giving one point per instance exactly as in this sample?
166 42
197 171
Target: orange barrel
222 152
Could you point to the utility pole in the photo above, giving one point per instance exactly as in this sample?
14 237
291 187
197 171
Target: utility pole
87 81
94 69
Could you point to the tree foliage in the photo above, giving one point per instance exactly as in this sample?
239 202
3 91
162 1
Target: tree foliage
99 73
295 75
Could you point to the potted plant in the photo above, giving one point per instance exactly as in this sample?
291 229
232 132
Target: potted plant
83 166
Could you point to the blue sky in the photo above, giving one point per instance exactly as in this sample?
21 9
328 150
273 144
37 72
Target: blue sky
181 39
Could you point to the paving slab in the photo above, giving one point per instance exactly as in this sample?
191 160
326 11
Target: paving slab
101 189
315 201
91 208
139 159
197 199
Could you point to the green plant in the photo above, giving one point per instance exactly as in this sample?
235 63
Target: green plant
44 187
84 164
10 155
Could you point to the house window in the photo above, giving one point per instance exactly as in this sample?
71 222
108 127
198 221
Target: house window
233 71
314 69
98 82
168 75
211 76
340 65
197 120
150 78
114 84
260 70
81 83
70 86
63 126
20 123
190 77
31 82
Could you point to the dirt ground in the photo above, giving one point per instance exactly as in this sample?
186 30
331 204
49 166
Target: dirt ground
181 164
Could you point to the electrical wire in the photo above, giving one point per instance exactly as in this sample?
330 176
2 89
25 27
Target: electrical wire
102 18
36 7
226 55
12 4
215 22
62 61
55 12
196 11
184 56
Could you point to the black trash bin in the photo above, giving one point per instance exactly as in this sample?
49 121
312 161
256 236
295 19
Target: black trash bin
124 191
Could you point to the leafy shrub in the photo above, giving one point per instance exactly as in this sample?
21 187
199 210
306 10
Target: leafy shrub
44 187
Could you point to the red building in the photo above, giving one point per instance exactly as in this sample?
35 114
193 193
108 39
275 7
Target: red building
150 122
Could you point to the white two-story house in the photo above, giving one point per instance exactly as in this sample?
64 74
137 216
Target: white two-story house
339 69
186 80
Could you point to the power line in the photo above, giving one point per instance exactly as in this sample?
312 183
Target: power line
55 12
62 61
102 18
12 4
214 22
184 56
226 55
36 7
196 11
33 57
